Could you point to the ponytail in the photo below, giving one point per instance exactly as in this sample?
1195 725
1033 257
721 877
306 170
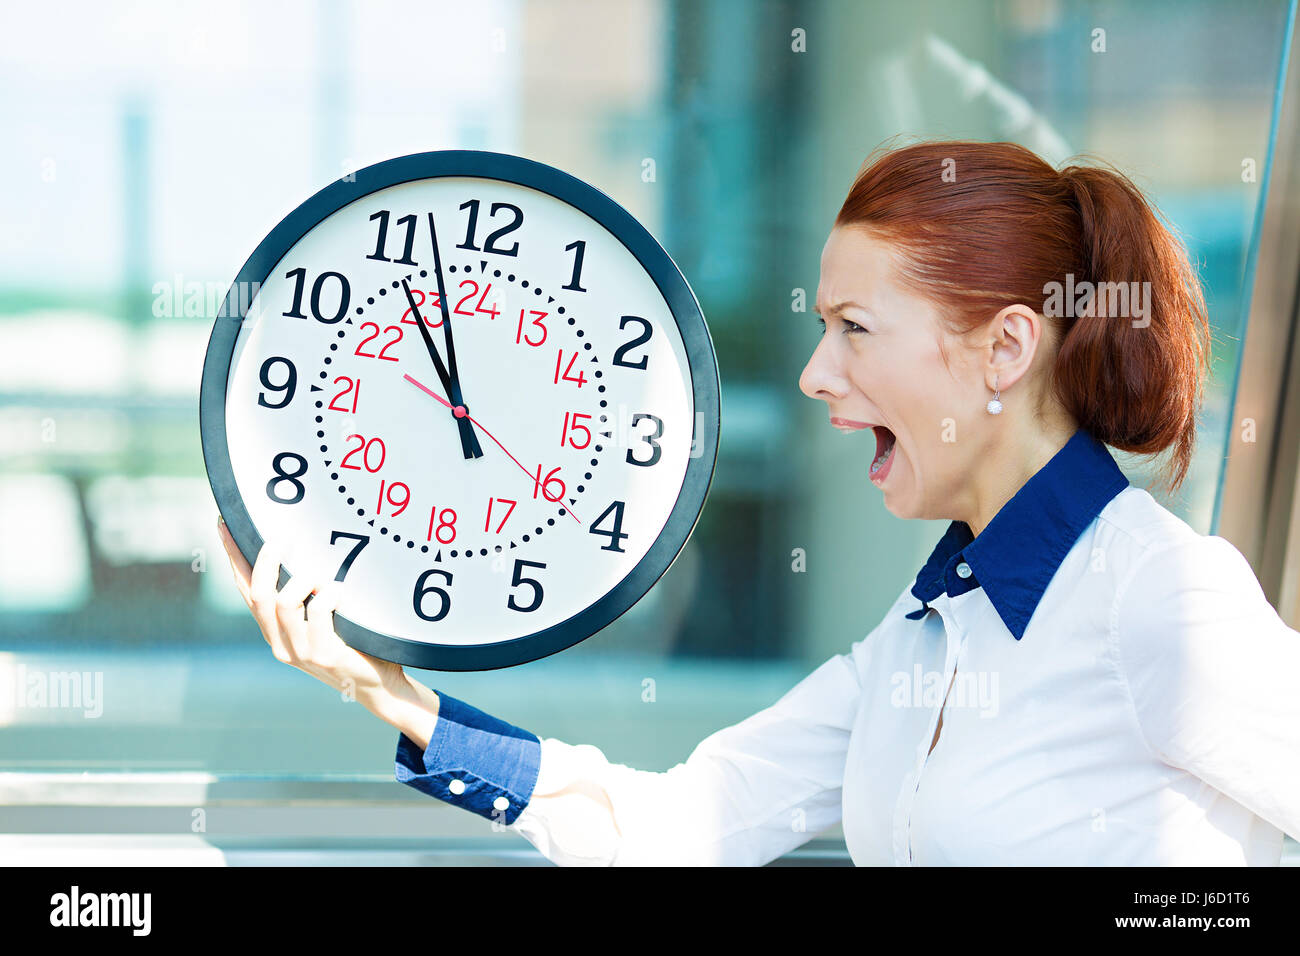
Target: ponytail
1131 367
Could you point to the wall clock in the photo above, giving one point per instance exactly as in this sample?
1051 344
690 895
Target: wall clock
473 389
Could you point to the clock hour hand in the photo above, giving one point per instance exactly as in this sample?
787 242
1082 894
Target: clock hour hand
468 439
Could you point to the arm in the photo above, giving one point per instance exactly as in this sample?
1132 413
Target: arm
746 795
1211 668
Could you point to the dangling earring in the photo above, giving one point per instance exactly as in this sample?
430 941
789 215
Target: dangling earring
994 406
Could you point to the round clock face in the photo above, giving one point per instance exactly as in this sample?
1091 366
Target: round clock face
474 391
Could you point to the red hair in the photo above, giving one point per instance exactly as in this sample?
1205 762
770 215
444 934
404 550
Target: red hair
980 226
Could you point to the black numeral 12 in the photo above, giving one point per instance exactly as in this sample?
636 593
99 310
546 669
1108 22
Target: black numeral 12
491 246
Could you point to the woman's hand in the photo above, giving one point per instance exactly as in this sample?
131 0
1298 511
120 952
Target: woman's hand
308 642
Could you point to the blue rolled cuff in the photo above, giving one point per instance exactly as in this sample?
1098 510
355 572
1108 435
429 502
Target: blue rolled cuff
496 763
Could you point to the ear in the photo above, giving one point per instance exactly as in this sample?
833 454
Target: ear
1013 337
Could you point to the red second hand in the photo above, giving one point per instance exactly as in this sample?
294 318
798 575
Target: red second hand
461 412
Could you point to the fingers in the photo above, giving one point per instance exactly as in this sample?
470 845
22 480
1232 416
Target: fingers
262 597
228 541
265 576
320 622
292 622
294 635
320 612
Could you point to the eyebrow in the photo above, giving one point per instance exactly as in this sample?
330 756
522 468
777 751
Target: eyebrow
840 307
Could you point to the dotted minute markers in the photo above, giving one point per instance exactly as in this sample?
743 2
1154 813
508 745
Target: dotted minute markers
361 511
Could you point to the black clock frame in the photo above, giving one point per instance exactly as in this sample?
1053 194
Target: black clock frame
618 222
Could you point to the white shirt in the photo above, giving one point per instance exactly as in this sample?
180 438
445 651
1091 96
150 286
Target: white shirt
1147 714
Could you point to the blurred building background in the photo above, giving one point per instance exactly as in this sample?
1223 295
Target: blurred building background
151 146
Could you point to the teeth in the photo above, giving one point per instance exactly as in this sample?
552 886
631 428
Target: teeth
882 458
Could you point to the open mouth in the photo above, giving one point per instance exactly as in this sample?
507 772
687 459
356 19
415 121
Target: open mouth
886 442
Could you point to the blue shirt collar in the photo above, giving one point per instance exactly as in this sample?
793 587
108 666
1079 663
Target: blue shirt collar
1018 554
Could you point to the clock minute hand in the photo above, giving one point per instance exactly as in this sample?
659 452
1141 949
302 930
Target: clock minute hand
453 387
468 440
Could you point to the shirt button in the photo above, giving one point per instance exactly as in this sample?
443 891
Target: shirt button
457 787
501 803
963 570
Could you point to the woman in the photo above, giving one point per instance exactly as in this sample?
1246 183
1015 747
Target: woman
1074 677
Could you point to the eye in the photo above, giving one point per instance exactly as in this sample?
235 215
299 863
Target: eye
850 328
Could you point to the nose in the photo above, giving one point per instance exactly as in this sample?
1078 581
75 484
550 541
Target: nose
821 377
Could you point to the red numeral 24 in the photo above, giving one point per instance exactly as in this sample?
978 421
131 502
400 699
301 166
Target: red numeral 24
494 311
